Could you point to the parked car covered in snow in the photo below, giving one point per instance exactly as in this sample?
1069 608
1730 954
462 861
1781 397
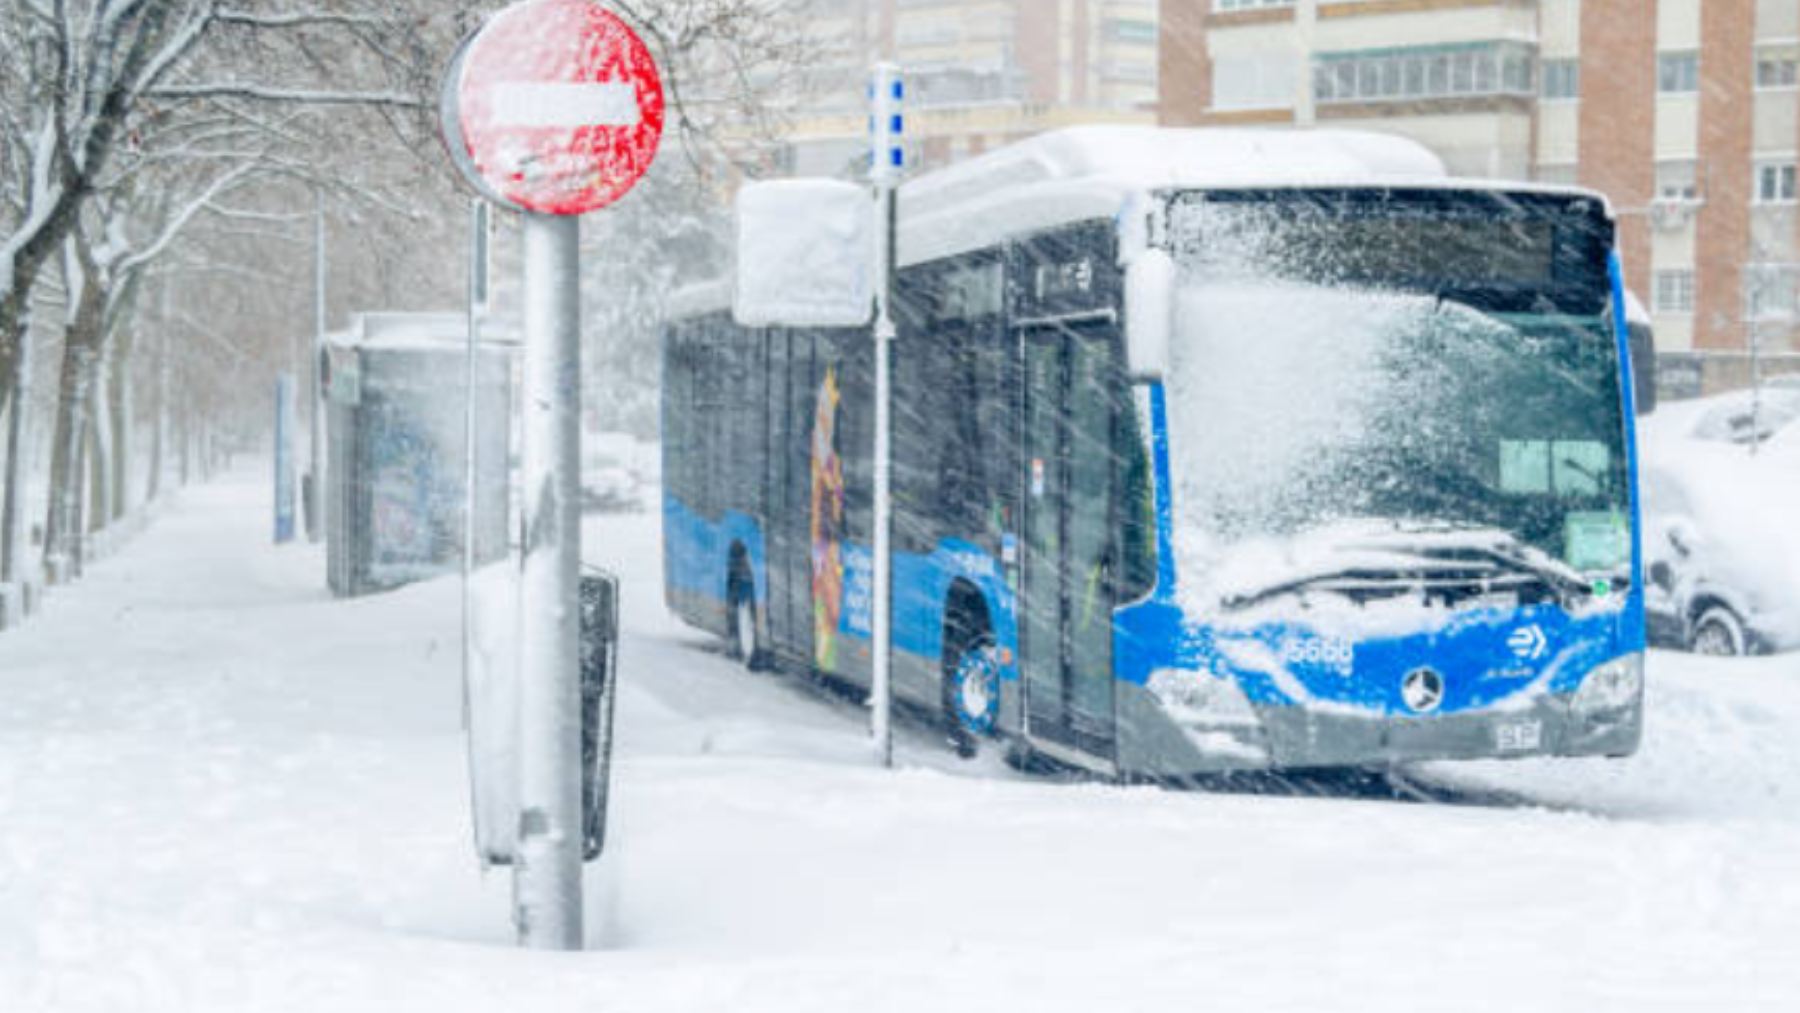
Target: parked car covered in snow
614 473
1722 523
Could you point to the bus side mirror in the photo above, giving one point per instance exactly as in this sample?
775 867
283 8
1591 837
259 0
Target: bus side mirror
805 254
1149 314
1643 366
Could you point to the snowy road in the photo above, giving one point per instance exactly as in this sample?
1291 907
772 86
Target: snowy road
221 790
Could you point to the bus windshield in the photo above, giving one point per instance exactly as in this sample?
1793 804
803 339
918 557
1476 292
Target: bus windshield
1370 390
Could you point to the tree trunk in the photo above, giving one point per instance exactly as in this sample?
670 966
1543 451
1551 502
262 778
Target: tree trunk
8 377
120 403
62 525
15 338
187 443
12 492
99 453
159 433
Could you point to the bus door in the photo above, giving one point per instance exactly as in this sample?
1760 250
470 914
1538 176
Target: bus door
1065 604
790 601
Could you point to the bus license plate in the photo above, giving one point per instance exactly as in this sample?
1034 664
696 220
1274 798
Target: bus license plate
1519 736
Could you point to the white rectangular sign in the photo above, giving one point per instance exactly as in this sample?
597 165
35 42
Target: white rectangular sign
541 104
805 254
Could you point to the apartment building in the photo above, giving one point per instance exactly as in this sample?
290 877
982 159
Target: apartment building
980 73
1686 113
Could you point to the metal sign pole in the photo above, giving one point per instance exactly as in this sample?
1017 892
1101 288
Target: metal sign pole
554 108
478 212
547 872
888 161
315 490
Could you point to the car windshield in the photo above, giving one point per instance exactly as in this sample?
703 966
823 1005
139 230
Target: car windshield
1307 400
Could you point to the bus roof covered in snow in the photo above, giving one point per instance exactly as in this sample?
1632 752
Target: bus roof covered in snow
1099 172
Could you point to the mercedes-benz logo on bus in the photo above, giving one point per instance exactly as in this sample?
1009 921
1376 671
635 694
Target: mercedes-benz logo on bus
1423 690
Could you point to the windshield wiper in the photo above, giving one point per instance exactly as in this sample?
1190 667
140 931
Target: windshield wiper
1506 549
1349 582
1404 570
1436 560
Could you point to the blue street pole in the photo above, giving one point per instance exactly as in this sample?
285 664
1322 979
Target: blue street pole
284 458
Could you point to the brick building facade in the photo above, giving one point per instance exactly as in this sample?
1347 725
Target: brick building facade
1686 113
980 73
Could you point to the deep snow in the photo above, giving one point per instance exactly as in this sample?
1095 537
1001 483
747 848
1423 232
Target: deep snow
222 790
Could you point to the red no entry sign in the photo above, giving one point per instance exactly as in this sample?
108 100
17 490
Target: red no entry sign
554 106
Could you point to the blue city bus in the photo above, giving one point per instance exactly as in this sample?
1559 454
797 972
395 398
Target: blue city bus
1213 450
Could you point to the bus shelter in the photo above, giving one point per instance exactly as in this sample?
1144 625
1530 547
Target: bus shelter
395 390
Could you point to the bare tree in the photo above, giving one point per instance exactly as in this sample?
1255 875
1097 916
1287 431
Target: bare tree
84 81
128 129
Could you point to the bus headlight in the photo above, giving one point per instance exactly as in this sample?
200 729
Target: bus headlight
1612 686
1201 699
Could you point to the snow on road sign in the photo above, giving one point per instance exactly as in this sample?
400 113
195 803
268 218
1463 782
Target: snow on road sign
555 106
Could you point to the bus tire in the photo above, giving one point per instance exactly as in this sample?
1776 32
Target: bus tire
971 696
743 641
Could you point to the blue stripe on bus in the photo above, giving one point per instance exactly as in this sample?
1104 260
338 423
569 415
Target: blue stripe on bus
696 551
1165 495
1150 635
1485 656
1635 619
1482 665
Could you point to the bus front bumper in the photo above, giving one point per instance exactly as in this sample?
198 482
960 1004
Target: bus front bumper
1548 727
1603 718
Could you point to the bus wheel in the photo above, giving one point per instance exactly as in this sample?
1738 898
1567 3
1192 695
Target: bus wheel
745 641
972 693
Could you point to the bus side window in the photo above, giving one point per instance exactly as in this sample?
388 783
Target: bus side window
994 438
744 377
679 416
961 483
916 416
1137 498
712 411
856 437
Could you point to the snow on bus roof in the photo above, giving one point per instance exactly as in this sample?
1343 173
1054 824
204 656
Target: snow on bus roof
1080 173
1096 172
1150 158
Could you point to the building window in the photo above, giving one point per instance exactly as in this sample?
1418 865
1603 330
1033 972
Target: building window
1227 6
1562 79
1769 290
1130 30
1775 183
1675 291
1676 180
1425 72
1678 73
1777 67
1254 82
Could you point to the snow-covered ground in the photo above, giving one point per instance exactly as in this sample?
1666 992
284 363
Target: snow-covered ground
222 790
